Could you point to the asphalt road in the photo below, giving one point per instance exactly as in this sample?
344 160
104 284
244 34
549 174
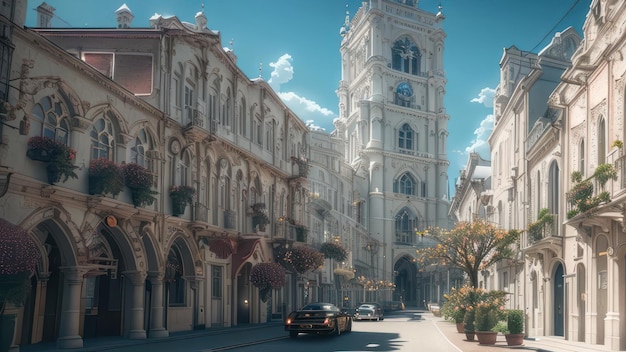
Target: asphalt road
402 331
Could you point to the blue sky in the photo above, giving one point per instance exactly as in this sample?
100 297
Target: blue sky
296 45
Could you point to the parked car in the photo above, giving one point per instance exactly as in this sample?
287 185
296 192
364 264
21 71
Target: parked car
369 311
318 318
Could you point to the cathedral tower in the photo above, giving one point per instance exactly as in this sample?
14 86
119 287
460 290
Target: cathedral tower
394 124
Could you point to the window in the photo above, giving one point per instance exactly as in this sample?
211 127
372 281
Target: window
553 188
405 56
216 281
138 151
181 168
133 71
601 141
581 156
405 137
405 185
102 141
406 223
188 101
505 281
51 119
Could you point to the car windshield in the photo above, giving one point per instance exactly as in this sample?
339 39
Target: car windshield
319 306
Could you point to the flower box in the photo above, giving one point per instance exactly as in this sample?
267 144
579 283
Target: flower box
57 154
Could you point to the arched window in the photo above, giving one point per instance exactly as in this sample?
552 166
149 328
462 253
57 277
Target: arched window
182 169
243 118
143 143
601 141
405 184
405 56
406 225
405 138
102 141
51 120
553 188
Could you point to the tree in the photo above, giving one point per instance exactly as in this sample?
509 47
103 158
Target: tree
469 246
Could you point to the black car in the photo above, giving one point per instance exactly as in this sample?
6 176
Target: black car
318 318
369 311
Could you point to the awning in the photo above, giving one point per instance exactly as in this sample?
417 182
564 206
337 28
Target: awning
222 247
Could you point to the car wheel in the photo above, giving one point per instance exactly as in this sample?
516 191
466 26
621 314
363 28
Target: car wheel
349 327
293 334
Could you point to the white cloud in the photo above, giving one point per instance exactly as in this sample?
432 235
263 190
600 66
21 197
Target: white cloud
306 109
479 144
283 72
485 97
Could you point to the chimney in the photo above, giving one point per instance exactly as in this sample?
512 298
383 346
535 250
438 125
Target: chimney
45 13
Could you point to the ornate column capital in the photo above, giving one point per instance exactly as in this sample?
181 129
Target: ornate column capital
136 277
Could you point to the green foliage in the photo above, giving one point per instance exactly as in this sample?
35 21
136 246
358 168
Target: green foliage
468 321
486 317
577 176
617 144
335 251
139 180
501 327
182 194
515 321
105 176
537 230
604 173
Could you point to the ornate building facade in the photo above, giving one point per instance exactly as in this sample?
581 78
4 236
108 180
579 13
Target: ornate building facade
169 102
393 122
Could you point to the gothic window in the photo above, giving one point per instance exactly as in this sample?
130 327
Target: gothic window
405 56
601 141
538 200
406 223
243 119
405 185
143 143
226 108
405 138
102 140
188 100
553 188
51 120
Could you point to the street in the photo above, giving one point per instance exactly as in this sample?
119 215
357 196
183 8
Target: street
403 331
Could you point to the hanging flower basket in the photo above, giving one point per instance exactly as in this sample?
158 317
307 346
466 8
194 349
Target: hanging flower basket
180 196
335 251
299 259
105 176
57 154
139 180
267 276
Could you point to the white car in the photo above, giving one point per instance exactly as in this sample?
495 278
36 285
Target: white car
369 311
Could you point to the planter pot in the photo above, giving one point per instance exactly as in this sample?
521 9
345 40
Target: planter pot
7 324
54 175
514 339
96 185
486 337
469 335
460 328
178 207
38 155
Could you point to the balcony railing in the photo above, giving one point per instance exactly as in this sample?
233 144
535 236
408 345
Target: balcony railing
606 183
542 228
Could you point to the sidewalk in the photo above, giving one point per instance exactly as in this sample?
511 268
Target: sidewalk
542 344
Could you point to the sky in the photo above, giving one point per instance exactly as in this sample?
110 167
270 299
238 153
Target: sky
294 46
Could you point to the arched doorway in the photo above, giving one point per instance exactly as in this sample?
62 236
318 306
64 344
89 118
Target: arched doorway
601 266
405 276
558 307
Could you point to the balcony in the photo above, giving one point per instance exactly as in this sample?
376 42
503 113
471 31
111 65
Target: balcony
544 227
605 184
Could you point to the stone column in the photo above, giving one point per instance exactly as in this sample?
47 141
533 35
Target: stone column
157 326
137 280
69 336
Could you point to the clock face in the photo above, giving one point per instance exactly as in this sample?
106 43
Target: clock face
404 89
175 146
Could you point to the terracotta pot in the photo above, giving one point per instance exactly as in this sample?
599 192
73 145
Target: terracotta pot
459 328
514 339
486 337
469 336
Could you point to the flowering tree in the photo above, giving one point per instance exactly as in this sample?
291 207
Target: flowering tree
469 246
267 276
18 257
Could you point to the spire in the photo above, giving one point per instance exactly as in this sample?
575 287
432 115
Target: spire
201 20
346 23
440 16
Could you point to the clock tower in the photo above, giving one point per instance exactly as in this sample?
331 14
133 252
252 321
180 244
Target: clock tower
394 124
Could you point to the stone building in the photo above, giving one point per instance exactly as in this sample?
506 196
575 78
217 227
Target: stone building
169 101
393 122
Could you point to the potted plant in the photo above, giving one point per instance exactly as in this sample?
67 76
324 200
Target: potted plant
332 250
454 306
468 323
485 319
18 257
139 180
105 176
58 155
267 276
259 217
515 327
181 196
